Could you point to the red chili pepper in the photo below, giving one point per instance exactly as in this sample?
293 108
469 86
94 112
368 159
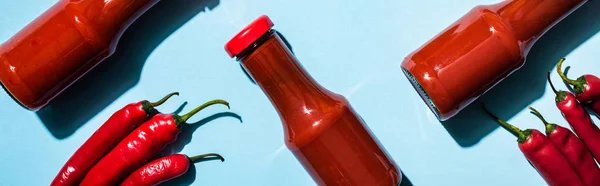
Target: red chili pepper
163 169
143 144
586 87
543 155
579 119
573 149
117 127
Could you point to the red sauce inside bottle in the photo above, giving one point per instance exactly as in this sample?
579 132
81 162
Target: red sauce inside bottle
479 50
321 129
61 45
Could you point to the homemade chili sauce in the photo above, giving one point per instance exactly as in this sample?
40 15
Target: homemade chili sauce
479 50
61 45
321 128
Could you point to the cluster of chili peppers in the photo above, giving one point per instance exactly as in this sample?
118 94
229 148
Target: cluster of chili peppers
561 156
573 107
121 150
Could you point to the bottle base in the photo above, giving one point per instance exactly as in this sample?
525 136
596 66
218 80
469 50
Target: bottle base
417 86
13 97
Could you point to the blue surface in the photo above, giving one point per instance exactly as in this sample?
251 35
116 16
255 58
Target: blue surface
351 47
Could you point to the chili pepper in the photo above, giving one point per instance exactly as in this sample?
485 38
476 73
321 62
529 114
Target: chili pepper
573 149
579 119
586 87
139 147
543 155
163 169
117 127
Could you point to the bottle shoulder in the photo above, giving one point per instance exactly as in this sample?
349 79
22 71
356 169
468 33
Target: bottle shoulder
103 22
480 27
313 120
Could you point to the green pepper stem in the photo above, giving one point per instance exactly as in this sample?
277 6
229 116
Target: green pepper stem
164 99
562 75
187 116
195 159
560 95
551 84
549 126
511 128
539 115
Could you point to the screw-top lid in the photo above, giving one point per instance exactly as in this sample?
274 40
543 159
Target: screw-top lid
248 35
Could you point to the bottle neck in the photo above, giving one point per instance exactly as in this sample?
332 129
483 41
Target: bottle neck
277 71
532 18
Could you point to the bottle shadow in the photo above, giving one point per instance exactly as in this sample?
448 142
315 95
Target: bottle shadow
184 138
527 84
120 72
405 181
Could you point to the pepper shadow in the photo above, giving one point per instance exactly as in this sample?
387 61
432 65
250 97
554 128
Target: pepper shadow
526 85
180 108
120 72
184 138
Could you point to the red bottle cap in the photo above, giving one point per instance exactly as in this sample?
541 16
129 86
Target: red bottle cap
248 35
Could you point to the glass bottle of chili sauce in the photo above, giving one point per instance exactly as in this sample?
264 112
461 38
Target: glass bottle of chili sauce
479 50
321 128
61 45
